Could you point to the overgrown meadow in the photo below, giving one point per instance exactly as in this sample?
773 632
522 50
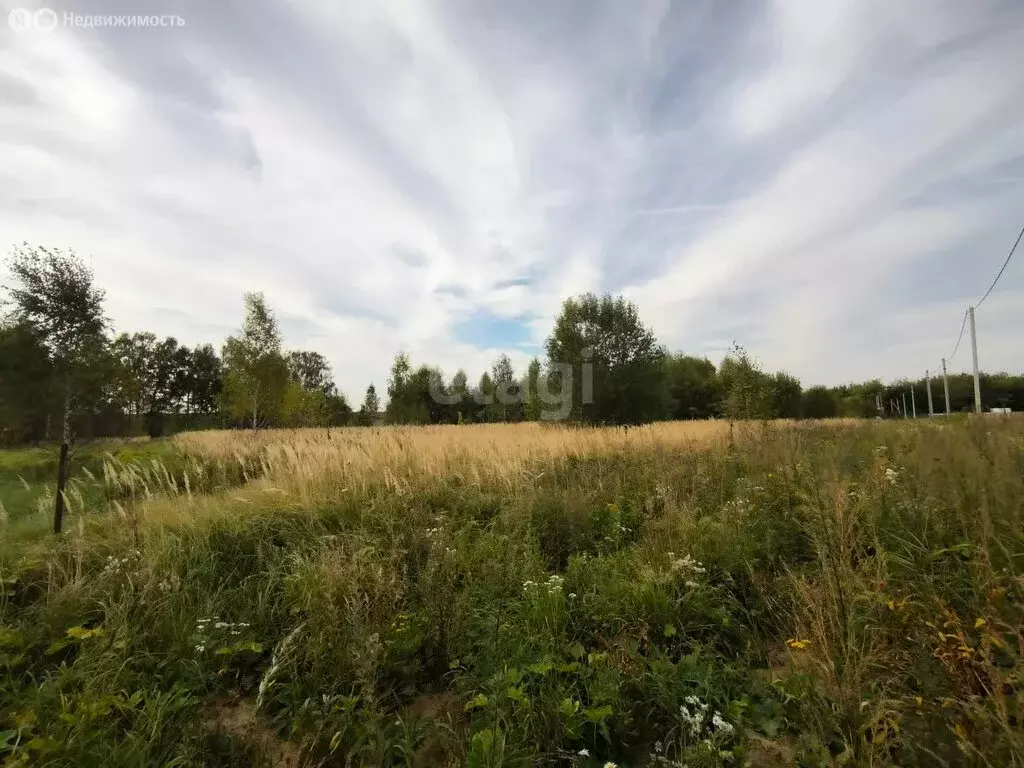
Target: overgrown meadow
828 593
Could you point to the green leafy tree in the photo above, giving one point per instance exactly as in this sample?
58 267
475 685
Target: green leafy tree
255 371
304 407
311 371
133 359
693 391
165 385
370 408
484 398
205 380
820 403
787 396
56 295
311 398
531 391
748 390
26 383
459 404
507 405
612 360
408 393
339 412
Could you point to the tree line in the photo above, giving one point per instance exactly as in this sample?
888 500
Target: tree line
64 370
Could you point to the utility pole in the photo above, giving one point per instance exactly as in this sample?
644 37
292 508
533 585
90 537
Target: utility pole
945 384
904 405
913 401
974 355
928 385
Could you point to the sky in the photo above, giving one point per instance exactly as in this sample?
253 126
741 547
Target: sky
829 184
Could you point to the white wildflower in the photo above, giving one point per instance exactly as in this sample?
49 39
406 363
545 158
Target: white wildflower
584 752
721 725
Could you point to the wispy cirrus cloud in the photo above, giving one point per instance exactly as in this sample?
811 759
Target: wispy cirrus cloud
828 184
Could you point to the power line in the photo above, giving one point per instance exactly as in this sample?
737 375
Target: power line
1000 274
1008 257
958 338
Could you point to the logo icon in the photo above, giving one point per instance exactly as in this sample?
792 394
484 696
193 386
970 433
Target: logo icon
23 20
20 20
45 20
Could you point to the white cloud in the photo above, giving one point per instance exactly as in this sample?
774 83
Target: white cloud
387 171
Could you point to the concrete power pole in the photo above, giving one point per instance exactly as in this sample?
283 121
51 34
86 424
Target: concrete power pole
928 386
904 405
945 384
974 355
913 401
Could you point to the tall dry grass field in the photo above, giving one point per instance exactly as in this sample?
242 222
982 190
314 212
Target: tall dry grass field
842 593
483 452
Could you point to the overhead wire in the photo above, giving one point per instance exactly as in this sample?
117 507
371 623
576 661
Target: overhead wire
982 301
958 338
1002 269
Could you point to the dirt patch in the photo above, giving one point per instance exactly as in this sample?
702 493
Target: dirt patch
240 721
765 753
435 706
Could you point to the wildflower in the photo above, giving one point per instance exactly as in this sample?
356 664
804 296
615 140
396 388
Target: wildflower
572 595
696 718
610 764
687 563
221 625
200 648
584 752
721 725
891 475
798 645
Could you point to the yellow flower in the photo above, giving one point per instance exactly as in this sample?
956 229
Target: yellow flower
979 623
798 645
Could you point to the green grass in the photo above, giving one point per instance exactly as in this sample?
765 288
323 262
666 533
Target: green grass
815 595
28 476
